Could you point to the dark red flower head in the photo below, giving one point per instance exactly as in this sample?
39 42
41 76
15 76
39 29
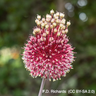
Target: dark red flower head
48 53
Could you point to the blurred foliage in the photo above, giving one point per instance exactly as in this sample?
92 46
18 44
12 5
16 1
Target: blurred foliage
16 23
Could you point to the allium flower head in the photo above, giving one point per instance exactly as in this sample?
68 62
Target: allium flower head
48 53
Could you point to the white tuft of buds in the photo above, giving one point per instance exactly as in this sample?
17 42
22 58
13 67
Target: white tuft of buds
53 21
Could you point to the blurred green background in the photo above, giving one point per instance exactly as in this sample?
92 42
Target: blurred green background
17 18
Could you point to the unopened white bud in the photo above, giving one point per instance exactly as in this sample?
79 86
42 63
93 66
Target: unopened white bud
58 34
34 32
38 17
55 30
61 15
39 74
57 21
45 23
54 80
61 25
41 39
42 25
36 21
63 31
52 12
53 61
37 30
47 32
65 75
56 17
47 19
59 78
62 42
63 21
50 56
43 19
49 79
57 14
48 16
52 20
47 26
44 34
51 26
51 39
68 23
66 31
54 24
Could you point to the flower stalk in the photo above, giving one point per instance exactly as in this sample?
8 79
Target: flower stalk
41 87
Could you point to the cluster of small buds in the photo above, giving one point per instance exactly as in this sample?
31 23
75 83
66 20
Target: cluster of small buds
48 54
53 21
